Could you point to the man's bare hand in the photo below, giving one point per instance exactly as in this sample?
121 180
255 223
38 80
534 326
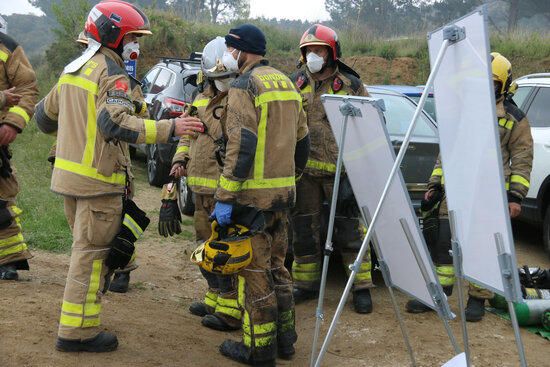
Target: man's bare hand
187 125
178 170
428 195
515 209
7 134
12 98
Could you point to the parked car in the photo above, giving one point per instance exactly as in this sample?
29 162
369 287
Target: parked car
168 88
533 97
414 93
423 149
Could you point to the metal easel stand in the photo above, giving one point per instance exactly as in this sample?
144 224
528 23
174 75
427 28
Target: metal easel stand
452 35
456 252
347 110
506 269
385 270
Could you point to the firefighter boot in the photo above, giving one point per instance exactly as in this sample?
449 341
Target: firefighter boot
199 309
301 295
237 351
362 301
414 306
475 310
8 272
215 322
120 283
102 342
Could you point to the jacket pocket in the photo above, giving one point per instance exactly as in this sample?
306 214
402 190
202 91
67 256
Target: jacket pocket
107 160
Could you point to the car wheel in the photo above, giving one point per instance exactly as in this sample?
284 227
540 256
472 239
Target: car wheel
186 200
157 171
546 230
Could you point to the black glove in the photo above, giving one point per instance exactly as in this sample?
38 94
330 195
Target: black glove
6 217
120 254
5 166
169 216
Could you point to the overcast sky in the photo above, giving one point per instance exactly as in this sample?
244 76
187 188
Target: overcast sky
289 9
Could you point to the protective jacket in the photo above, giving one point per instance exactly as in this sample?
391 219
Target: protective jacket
267 140
324 150
203 171
516 145
16 71
93 114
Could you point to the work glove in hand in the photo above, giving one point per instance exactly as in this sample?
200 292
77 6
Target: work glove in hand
222 213
169 216
120 254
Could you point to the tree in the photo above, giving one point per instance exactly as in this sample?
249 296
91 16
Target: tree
228 9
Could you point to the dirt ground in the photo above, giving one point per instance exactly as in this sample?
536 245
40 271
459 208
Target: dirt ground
155 328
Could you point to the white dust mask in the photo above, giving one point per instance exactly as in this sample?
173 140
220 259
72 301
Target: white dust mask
314 62
229 61
130 51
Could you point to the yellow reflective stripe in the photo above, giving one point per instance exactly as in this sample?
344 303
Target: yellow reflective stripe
260 146
267 85
13 250
507 124
229 311
150 131
203 102
474 285
340 92
79 82
92 309
437 172
93 287
72 321
210 299
307 89
70 307
266 183
91 172
309 272
268 327
91 132
202 181
12 240
273 96
520 180
240 290
21 112
91 322
507 186
322 166
16 211
182 149
3 56
131 224
445 275
229 302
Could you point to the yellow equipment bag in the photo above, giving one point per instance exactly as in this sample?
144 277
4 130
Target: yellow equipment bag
227 251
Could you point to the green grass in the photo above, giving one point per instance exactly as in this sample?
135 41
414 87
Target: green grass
43 219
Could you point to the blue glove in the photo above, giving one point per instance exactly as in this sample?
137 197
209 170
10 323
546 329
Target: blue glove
222 213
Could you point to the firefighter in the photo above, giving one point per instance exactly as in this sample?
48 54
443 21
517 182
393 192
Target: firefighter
20 93
92 113
516 146
325 73
267 144
197 159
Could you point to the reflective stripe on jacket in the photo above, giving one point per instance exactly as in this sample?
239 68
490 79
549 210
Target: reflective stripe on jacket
265 126
93 114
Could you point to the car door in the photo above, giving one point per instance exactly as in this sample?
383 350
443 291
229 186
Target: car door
423 149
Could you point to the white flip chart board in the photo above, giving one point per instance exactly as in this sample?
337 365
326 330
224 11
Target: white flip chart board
368 159
470 150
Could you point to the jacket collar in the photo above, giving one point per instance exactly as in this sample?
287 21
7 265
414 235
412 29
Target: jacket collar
112 55
501 112
251 65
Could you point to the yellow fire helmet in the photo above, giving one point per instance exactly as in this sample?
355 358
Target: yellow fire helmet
502 71
227 251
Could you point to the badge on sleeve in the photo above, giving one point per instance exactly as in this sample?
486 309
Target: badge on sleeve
121 85
301 82
337 84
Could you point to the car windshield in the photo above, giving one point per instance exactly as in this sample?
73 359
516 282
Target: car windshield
399 113
429 106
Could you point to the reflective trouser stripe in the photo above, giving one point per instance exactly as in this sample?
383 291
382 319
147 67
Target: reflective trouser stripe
211 299
477 286
229 307
259 335
308 272
87 314
286 321
12 245
364 273
445 274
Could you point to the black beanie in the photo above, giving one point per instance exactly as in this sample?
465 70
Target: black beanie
247 38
